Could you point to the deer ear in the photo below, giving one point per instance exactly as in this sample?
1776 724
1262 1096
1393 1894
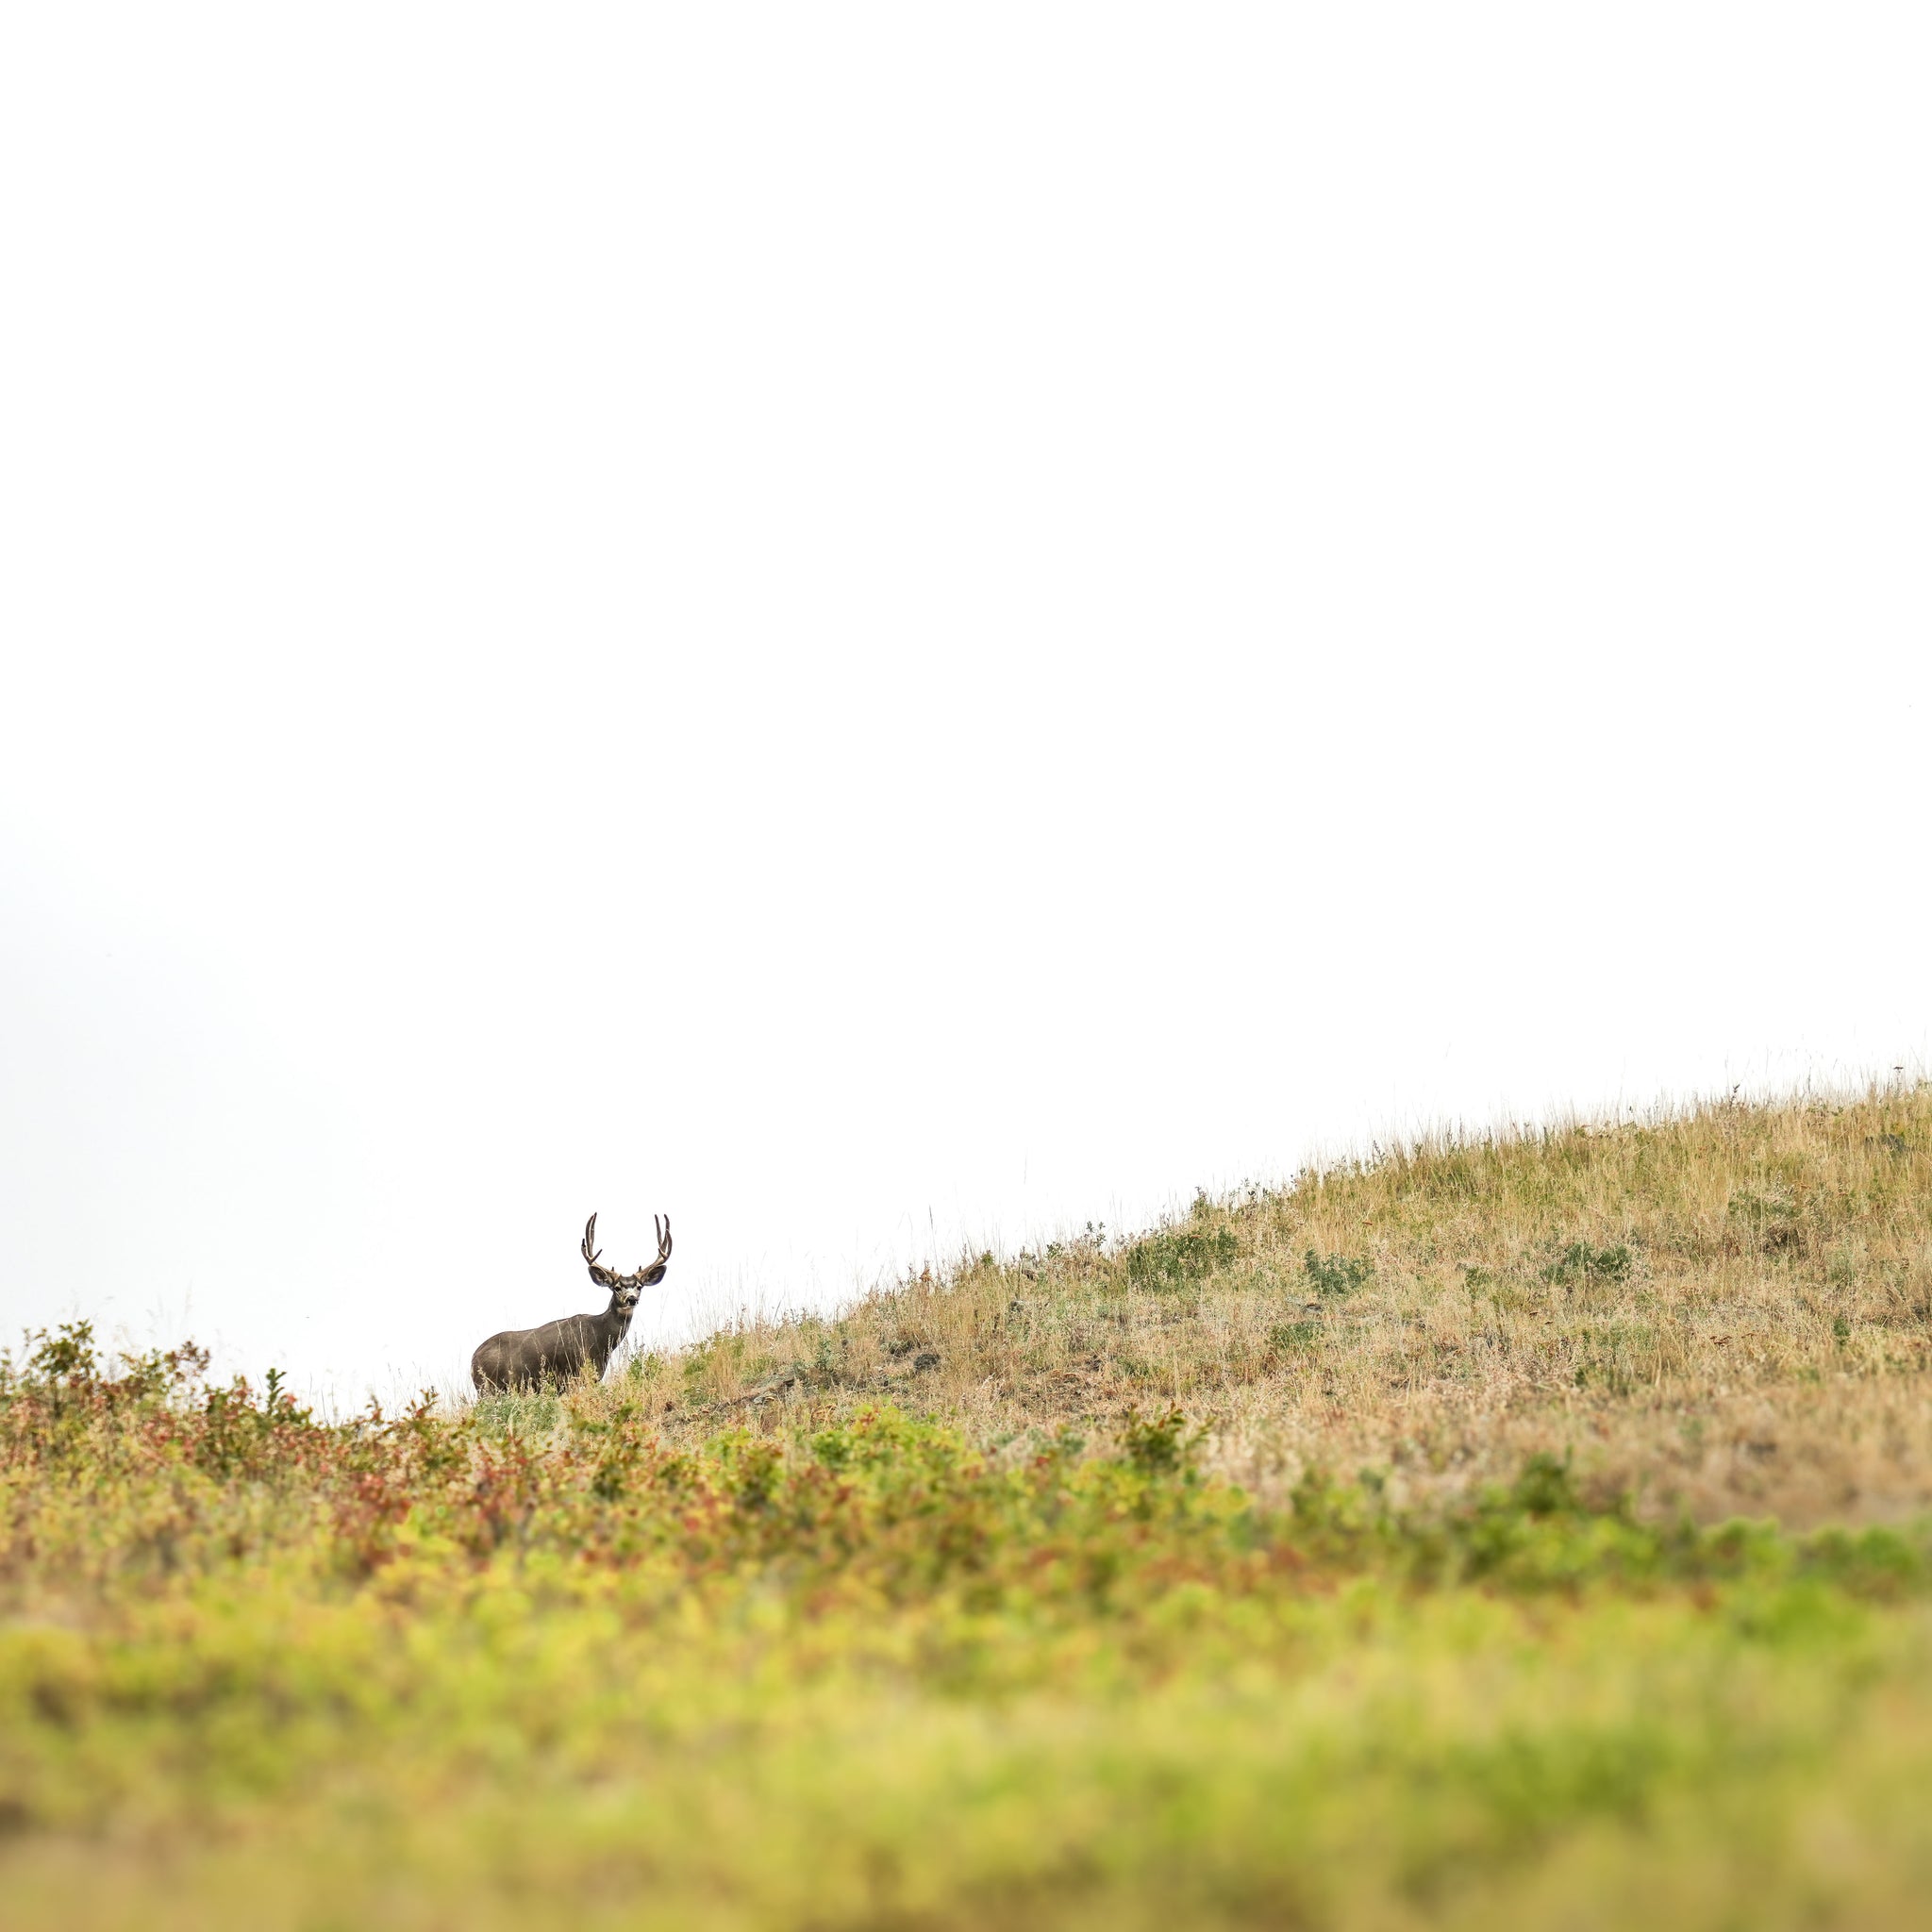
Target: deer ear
651 1276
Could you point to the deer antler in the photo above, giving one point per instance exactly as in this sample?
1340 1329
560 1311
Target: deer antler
606 1277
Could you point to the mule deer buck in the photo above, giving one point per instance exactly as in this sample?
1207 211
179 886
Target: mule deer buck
558 1352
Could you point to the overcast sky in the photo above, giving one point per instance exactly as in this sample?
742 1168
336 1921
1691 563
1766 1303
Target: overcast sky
880 627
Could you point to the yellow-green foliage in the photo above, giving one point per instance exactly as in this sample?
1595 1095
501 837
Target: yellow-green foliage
578 1661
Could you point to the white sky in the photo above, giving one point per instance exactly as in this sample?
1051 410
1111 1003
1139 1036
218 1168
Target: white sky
877 626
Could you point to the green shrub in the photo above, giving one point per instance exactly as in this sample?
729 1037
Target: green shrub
1580 1263
1336 1273
1176 1256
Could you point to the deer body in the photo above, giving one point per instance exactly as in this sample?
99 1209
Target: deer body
560 1351
552 1355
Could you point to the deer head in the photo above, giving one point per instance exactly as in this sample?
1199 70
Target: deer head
626 1289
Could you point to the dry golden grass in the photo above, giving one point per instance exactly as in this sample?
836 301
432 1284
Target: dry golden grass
1727 1309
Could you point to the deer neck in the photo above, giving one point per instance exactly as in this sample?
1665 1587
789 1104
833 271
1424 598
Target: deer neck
613 1325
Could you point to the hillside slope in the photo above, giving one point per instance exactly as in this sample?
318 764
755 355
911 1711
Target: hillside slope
1727 1309
1316 1561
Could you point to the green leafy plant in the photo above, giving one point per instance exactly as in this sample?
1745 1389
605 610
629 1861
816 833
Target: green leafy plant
1336 1273
1176 1256
1159 1445
1580 1263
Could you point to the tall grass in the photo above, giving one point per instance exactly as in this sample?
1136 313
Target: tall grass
1726 1308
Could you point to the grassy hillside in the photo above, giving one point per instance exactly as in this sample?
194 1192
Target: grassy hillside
1365 1555
1726 1311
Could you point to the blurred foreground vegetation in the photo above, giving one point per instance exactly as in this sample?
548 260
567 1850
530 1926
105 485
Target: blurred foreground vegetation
843 1660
